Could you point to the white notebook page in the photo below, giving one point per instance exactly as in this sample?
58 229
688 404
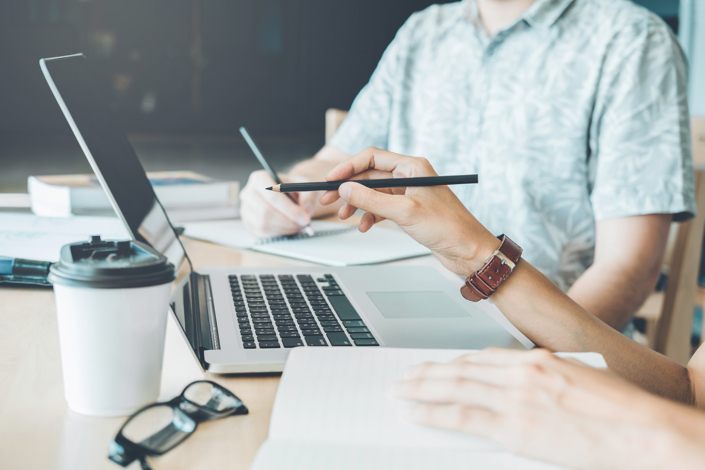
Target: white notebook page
334 244
278 455
340 395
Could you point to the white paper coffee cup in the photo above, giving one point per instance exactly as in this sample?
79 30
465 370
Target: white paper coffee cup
112 304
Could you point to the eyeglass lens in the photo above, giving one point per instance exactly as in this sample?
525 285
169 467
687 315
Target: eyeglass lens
159 428
211 396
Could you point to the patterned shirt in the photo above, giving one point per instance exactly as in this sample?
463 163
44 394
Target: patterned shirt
575 113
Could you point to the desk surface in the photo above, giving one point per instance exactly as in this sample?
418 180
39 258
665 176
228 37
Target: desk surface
38 431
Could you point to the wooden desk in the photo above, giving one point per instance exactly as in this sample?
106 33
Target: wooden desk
37 431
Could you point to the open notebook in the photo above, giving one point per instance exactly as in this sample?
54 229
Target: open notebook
333 244
332 411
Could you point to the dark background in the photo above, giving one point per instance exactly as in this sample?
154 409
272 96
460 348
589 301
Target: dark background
183 75
203 66
198 66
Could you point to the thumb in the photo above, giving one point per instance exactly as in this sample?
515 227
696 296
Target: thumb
382 204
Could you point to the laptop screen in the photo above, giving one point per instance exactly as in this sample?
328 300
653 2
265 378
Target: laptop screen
110 153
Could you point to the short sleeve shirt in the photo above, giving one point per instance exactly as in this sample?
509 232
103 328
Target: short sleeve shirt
574 114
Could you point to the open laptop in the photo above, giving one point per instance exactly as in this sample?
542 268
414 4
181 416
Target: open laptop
245 319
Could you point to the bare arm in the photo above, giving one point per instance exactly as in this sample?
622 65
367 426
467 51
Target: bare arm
628 256
434 217
554 321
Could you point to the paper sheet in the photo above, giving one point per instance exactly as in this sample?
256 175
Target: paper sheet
41 238
342 249
333 411
277 455
340 395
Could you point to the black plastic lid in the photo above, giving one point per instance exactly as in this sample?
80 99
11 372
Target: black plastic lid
109 264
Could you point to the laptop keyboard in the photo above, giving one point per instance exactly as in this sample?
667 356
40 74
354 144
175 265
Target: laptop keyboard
290 311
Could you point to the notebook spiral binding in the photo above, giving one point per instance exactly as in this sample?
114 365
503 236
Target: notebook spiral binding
302 236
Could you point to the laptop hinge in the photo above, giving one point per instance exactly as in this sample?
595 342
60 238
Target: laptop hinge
199 315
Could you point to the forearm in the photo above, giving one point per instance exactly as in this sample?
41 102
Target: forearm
613 291
553 320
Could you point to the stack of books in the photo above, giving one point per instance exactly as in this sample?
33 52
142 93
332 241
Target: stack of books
185 195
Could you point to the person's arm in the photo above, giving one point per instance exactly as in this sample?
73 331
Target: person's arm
266 213
537 405
639 163
435 217
628 256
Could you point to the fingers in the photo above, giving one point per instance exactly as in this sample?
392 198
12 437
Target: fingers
449 391
374 158
379 203
329 197
266 213
508 357
260 220
478 421
491 374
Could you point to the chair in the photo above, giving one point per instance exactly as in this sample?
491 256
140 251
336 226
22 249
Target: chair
669 314
334 117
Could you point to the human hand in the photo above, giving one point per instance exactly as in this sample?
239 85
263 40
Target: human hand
540 406
267 213
432 215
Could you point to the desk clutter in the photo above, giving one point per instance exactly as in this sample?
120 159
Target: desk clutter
41 238
332 410
186 196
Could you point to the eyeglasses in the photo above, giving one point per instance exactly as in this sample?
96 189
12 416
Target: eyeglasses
158 428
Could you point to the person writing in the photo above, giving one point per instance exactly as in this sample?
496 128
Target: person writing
531 402
573 111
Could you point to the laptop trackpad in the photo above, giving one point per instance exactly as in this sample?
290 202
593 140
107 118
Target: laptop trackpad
431 304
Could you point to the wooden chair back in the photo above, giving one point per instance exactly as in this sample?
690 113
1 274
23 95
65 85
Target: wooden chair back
334 117
669 314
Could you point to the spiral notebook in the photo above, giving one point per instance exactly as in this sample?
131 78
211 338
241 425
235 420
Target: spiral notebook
333 244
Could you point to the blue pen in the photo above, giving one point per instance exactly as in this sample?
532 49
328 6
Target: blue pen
24 271
6 265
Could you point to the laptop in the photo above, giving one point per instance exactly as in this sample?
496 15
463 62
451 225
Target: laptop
246 319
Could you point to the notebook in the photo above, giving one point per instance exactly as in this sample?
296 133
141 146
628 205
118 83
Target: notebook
332 410
334 244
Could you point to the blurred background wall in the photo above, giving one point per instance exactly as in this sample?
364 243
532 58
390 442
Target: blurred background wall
203 66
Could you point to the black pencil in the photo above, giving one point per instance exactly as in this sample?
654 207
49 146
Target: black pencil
375 184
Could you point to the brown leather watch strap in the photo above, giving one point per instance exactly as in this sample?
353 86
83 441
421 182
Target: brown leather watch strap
482 284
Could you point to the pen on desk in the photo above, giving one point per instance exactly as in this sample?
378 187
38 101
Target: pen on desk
376 184
273 174
24 271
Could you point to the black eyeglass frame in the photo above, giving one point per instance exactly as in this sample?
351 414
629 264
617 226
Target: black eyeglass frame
124 451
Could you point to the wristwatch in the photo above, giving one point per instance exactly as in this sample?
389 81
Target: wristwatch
482 284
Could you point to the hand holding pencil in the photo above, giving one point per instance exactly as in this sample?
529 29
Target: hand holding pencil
432 215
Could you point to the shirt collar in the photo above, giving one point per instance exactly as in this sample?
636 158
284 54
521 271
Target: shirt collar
542 13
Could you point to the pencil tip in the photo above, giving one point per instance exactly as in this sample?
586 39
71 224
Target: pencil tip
269 188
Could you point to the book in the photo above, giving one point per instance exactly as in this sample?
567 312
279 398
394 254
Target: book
332 410
185 195
333 243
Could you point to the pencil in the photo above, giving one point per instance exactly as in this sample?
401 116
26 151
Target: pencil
375 184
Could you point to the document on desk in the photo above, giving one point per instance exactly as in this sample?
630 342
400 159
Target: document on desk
334 244
41 238
332 410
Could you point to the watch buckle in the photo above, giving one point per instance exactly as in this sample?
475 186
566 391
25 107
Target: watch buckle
505 260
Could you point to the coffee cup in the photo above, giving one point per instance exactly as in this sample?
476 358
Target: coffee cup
112 301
